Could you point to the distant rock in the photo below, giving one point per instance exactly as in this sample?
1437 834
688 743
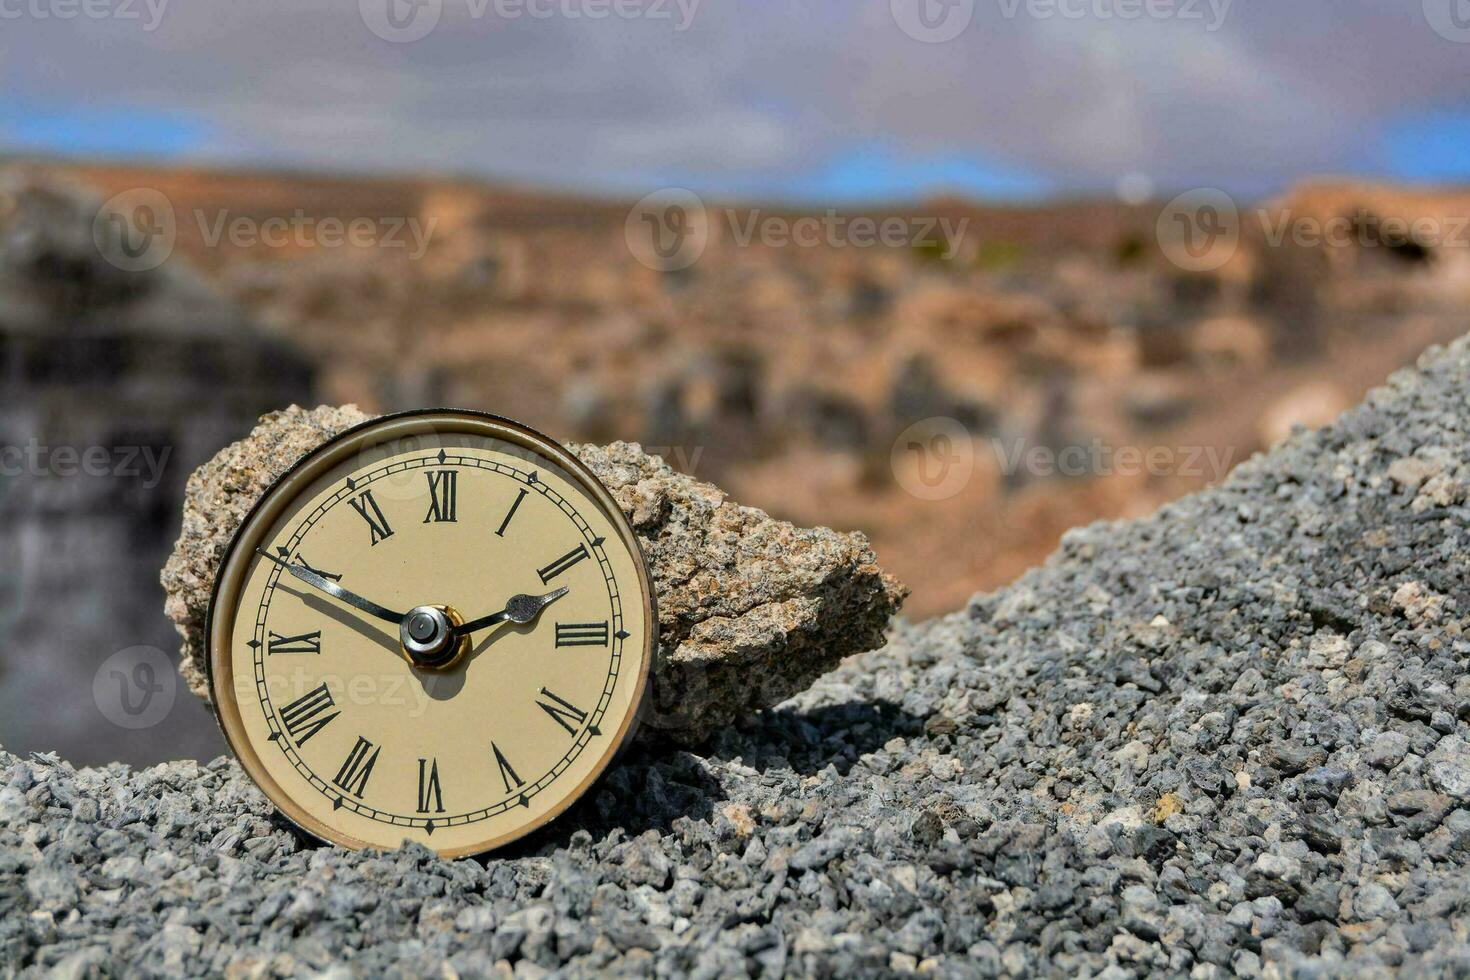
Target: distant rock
1309 406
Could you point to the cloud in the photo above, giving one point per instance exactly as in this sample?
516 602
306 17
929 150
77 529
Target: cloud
751 98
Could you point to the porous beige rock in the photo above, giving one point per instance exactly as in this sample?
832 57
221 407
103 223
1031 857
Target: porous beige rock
751 610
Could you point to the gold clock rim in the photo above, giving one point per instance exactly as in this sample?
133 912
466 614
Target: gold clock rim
229 582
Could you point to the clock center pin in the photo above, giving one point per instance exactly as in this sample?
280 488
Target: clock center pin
428 640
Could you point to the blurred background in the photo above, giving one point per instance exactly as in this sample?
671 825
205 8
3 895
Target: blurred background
960 274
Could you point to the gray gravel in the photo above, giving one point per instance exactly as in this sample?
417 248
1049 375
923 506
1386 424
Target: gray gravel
1231 738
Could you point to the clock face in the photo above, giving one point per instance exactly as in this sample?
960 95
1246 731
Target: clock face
438 627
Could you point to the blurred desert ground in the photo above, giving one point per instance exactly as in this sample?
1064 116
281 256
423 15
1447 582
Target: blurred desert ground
784 374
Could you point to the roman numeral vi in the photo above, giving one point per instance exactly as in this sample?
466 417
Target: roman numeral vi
429 786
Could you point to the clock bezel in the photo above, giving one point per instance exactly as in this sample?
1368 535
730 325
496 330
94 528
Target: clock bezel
240 555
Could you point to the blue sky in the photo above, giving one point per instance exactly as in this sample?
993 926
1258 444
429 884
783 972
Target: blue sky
813 100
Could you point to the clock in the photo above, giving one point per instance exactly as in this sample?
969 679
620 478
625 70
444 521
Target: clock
436 627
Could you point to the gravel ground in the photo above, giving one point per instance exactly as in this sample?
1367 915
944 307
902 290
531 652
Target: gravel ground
1231 738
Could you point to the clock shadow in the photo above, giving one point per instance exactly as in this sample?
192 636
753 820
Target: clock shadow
341 616
488 640
442 685
656 783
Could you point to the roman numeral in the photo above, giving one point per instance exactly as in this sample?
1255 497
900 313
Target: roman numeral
563 563
301 560
500 531
443 492
507 774
429 787
307 715
367 508
353 776
581 634
562 711
304 643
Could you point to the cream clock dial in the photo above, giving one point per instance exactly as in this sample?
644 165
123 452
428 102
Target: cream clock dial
438 627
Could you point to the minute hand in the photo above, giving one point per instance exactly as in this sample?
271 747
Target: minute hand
336 591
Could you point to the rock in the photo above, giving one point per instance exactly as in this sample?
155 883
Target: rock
1449 767
751 610
1419 604
1386 750
218 496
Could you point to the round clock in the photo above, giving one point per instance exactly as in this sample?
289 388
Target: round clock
437 627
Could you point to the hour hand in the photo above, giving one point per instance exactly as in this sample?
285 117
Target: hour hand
333 589
520 609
